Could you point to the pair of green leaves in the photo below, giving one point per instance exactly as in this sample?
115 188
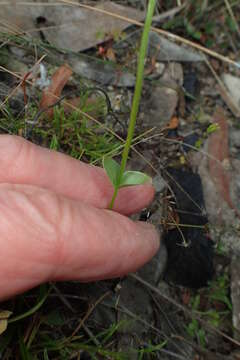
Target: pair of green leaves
128 178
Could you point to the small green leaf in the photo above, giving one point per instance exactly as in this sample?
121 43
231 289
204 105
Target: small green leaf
212 128
112 169
54 143
134 178
198 143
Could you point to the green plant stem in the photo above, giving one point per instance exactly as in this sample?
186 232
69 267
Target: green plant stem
137 95
114 197
32 310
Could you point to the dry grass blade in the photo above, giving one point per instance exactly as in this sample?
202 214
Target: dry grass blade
70 307
88 313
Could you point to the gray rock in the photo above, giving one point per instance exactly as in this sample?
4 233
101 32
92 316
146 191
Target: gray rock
161 48
233 87
163 100
160 107
154 270
17 51
135 300
71 28
166 50
102 72
159 68
159 183
174 71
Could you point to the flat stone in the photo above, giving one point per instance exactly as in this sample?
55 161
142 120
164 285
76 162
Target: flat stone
232 97
159 68
160 107
166 50
133 297
71 28
102 72
159 183
174 71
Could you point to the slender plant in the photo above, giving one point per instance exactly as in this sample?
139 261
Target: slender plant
116 173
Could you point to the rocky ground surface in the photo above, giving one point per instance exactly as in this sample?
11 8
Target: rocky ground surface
185 303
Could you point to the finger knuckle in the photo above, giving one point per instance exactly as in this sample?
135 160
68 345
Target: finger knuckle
60 218
12 148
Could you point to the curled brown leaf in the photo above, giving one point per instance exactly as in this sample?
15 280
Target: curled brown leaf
54 90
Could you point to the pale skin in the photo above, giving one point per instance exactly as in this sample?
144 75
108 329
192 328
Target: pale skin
54 222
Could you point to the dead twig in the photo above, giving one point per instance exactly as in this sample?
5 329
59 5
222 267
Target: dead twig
64 300
88 313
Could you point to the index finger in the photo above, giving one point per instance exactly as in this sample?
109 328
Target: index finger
62 239
25 163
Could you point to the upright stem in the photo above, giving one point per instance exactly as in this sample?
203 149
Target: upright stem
137 94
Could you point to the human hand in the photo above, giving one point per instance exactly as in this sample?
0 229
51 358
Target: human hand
54 222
